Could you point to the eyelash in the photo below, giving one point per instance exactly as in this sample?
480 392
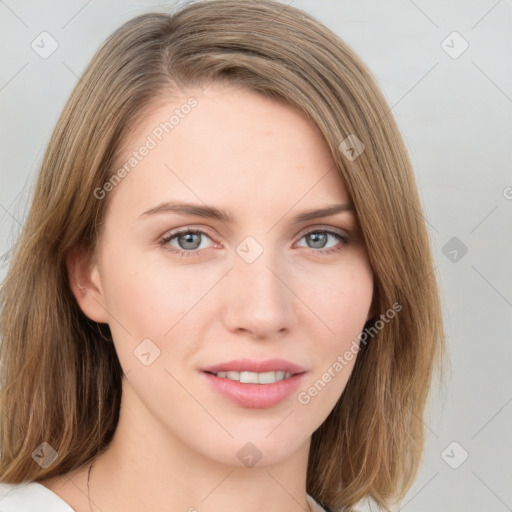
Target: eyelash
342 237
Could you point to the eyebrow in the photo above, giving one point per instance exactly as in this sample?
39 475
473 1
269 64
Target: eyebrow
212 212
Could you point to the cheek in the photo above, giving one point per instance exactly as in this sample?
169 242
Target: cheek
148 296
343 308
151 298
342 301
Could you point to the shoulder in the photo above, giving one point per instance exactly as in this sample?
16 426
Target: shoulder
30 497
315 506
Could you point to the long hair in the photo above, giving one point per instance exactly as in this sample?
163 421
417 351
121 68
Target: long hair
60 375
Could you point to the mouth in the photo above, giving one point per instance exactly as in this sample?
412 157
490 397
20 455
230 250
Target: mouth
280 367
255 384
254 377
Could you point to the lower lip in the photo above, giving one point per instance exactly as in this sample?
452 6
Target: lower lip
255 396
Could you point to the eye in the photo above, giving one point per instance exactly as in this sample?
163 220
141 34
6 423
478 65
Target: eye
189 241
318 238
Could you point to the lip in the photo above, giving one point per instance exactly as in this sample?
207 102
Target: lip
251 365
254 396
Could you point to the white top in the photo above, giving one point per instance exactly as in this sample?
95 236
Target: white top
35 497
30 497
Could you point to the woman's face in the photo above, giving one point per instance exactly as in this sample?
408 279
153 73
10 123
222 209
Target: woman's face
258 284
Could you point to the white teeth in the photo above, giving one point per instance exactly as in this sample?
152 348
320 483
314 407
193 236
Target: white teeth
249 377
266 377
280 375
255 378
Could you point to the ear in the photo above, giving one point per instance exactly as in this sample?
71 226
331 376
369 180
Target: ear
85 283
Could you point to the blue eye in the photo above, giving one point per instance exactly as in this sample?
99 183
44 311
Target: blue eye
189 241
320 236
188 238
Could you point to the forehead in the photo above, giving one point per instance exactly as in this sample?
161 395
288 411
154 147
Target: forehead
230 147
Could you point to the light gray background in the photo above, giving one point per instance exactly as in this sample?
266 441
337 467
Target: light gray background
455 115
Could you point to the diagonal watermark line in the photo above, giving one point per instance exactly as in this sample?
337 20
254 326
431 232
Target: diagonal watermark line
427 276
2 2
492 81
217 486
420 213
198 301
504 298
104 308
12 422
165 165
101 100
14 76
7 493
200 404
300 299
5 256
429 223
286 491
500 409
301 198
285 7
267 232
77 76
76 14
484 218
413 87
409 501
280 423
426 425
85 494
11 215
485 14
491 490
424 13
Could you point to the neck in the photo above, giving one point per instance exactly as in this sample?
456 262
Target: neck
146 467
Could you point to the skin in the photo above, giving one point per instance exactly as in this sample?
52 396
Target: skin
177 440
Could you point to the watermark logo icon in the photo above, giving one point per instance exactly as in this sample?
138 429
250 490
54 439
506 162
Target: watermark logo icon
352 147
44 45
454 45
44 455
249 249
454 455
146 352
249 455
454 249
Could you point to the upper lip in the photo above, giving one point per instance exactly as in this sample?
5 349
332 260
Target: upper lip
251 365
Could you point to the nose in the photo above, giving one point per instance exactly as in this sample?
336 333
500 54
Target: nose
258 299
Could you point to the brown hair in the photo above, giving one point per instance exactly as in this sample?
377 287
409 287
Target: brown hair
60 380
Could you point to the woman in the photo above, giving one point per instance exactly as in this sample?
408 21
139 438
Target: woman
223 297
